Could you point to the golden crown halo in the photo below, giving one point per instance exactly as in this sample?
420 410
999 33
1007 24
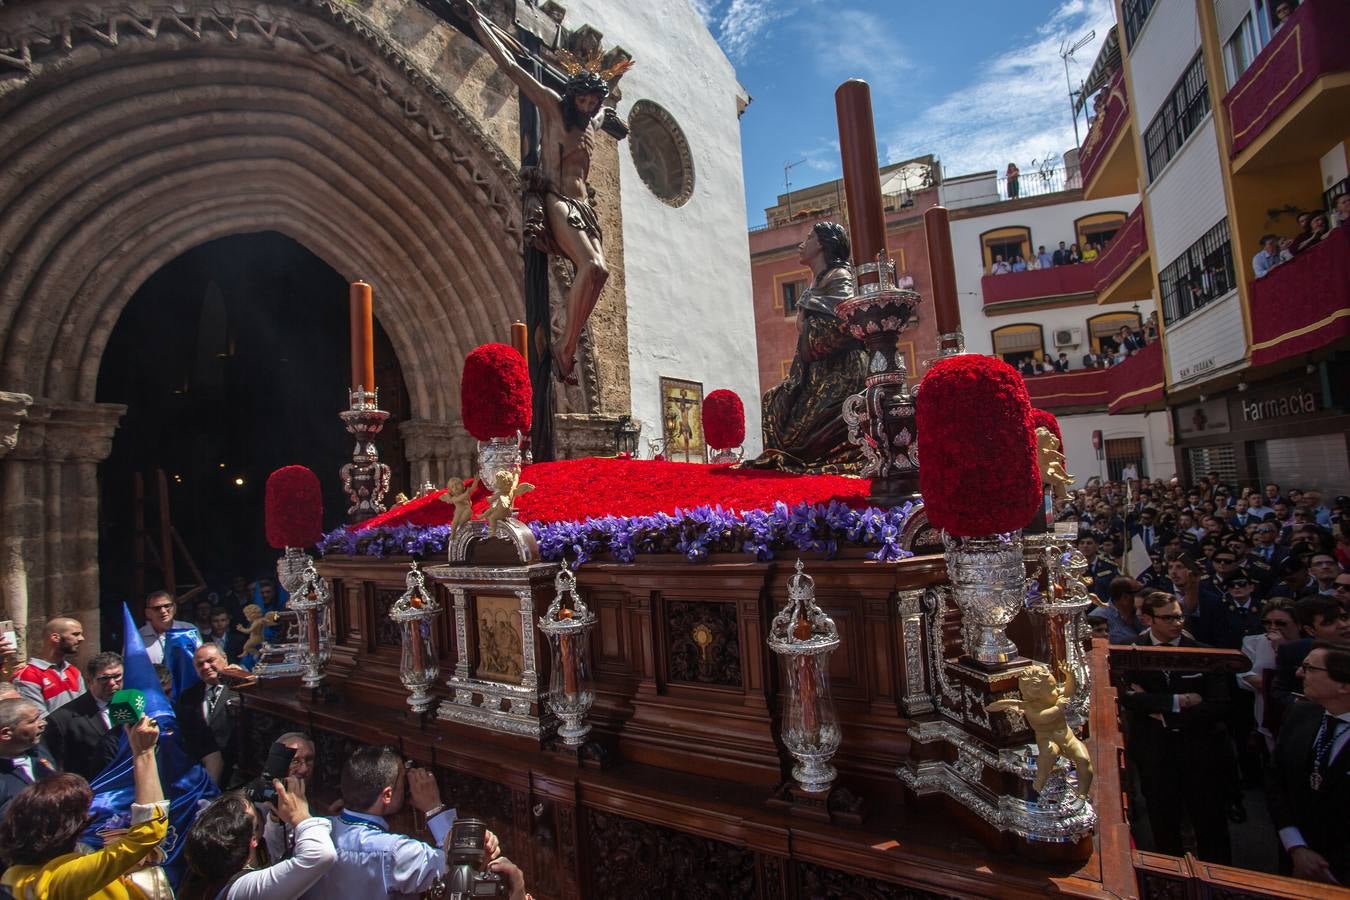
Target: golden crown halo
571 63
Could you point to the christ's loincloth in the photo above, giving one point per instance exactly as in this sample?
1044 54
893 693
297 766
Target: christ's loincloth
538 234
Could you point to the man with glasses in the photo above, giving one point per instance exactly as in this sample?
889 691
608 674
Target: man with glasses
1320 619
51 679
160 608
1177 741
80 734
1327 573
1309 785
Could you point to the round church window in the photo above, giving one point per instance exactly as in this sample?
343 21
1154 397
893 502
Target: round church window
661 153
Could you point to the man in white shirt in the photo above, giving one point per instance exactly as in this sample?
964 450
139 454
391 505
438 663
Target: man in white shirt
1000 267
160 608
372 861
51 679
1268 257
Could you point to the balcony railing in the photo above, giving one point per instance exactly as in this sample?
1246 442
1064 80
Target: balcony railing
1041 284
1038 182
1079 388
1303 305
1129 243
1110 121
1311 44
1137 384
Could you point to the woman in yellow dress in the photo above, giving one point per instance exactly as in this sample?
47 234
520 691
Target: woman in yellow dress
42 824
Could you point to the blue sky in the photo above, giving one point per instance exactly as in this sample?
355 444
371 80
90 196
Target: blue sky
974 82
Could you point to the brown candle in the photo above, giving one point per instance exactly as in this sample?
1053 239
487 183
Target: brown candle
520 338
312 630
862 182
568 653
363 337
418 653
806 684
942 268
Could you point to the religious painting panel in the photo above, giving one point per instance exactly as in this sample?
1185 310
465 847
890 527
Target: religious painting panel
501 655
682 420
703 643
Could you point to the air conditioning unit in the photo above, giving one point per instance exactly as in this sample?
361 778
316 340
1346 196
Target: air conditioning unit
1068 337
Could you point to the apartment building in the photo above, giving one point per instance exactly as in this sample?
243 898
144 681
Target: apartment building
1229 123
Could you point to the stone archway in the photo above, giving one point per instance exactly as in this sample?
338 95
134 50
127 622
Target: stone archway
134 133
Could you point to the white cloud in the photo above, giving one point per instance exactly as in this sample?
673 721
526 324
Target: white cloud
705 10
1018 110
742 24
873 52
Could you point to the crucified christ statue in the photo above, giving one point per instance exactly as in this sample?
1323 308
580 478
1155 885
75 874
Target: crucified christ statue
559 219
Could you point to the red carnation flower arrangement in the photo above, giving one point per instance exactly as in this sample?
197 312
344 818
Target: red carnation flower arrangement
723 420
495 395
1042 419
293 508
978 471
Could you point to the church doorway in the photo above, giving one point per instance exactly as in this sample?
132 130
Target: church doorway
232 361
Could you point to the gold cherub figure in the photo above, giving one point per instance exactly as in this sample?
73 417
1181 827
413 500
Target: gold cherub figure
1051 462
460 494
505 490
257 622
1042 703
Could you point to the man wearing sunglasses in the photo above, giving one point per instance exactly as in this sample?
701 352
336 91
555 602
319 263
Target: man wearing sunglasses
1177 740
80 734
1309 785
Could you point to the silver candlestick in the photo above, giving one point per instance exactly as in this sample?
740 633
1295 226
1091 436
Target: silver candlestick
314 626
419 665
365 478
571 689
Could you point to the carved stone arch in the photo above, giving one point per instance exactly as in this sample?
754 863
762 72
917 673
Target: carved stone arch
136 130
133 133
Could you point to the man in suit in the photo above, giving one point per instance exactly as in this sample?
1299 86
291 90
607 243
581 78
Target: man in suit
223 634
1061 255
80 734
23 758
1177 740
1308 787
206 715
1147 530
1100 571
1319 619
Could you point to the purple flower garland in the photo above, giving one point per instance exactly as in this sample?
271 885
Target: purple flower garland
694 533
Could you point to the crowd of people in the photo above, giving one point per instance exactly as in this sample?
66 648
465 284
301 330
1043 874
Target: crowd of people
59 733
1314 226
1265 571
1043 259
1114 350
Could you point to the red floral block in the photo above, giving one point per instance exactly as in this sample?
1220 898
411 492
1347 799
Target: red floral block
1042 419
977 471
293 508
495 397
723 420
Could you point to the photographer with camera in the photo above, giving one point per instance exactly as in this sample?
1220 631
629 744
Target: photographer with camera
466 876
372 862
222 848
279 838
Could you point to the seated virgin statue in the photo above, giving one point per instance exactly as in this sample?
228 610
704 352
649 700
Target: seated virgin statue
804 428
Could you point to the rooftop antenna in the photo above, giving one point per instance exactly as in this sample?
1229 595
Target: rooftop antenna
1065 51
787 185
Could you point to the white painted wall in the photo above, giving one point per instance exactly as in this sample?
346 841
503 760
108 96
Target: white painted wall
1187 199
690 312
1160 55
1206 343
1333 165
1049 225
1082 460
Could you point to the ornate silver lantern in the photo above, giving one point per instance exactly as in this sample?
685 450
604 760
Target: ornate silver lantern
313 626
988 578
571 688
803 638
419 665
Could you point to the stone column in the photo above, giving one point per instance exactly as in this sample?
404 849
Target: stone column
438 451
49 494
13 581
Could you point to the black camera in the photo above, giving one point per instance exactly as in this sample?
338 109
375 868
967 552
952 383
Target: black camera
261 790
464 875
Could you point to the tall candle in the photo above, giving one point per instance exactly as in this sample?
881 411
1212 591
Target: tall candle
312 630
942 266
418 653
363 337
520 339
569 664
862 184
